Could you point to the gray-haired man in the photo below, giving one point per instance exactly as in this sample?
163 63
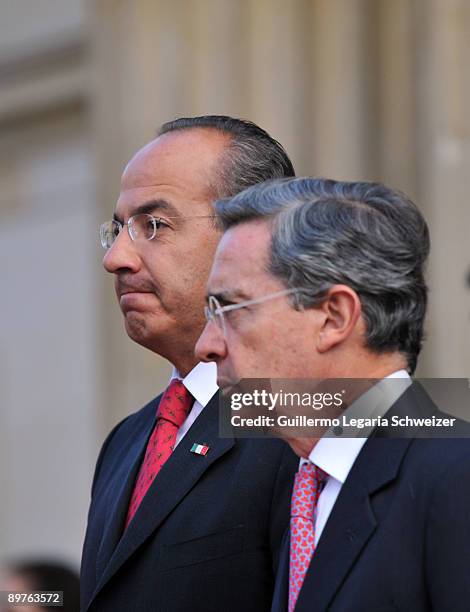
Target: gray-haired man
322 279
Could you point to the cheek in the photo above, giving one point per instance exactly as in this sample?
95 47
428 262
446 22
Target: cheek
248 354
279 348
186 270
199 254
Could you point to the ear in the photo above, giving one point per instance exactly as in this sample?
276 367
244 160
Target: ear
341 311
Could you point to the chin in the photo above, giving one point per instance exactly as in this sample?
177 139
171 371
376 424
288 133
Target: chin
153 333
138 329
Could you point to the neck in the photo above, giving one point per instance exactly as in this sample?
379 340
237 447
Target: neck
182 358
367 365
302 446
182 364
362 372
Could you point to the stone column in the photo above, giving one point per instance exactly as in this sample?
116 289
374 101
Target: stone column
341 84
443 176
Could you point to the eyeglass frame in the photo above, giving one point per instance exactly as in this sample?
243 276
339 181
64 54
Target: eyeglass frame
130 222
211 315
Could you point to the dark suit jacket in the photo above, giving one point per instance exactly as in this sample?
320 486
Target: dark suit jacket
207 534
398 537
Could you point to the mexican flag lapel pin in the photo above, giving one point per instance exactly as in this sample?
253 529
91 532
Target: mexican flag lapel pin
199 449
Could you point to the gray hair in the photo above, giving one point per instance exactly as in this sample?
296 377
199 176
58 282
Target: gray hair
364 235
252 156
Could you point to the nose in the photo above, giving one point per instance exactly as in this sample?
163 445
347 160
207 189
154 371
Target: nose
122 255
211 345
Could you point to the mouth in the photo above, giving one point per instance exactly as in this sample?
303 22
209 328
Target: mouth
128 283
132 292
124 288
134 300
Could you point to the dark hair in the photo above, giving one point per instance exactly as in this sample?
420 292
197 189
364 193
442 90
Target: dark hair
50 576
363 235
252 156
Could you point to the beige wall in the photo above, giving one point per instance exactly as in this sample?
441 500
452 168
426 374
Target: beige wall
47 334
50 410
373 89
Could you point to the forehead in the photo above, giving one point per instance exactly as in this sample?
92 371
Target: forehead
179 167
242 259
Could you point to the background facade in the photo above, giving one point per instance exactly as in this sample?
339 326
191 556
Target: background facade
354 89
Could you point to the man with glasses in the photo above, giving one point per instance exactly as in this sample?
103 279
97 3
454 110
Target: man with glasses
319 280
181 519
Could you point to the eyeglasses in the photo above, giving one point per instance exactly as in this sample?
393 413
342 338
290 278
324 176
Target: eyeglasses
215 312
140 227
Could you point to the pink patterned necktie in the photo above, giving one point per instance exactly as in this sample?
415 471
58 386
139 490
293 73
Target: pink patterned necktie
307 488
172 411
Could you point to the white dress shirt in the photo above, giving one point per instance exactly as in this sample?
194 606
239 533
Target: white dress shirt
201 382
336 455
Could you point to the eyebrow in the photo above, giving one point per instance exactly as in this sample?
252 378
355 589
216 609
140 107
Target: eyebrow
228 295
150 207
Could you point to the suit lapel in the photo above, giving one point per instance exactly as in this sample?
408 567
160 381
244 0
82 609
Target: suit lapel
352 521
176 478
123 485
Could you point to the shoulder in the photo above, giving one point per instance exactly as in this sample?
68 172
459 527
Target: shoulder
441 461
438 468
444 444
439 454
438 441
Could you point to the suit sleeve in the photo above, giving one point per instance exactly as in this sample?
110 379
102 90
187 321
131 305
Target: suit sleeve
448 539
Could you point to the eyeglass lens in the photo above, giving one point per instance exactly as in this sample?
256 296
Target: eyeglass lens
140 226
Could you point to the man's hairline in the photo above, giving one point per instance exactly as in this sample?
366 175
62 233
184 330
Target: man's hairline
230 137
240 292
213 192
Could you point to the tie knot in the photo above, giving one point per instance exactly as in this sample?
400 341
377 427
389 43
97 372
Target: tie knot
308 484
310 470
175 404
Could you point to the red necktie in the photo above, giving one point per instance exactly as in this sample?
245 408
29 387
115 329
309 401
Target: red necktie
172 411
307 488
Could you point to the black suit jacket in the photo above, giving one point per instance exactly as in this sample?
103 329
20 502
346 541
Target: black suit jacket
207 534
398 537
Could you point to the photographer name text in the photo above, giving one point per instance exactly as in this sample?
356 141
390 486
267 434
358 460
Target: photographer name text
343 421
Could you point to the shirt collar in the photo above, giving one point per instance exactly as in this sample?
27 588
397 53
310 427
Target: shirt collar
336 456
201 382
